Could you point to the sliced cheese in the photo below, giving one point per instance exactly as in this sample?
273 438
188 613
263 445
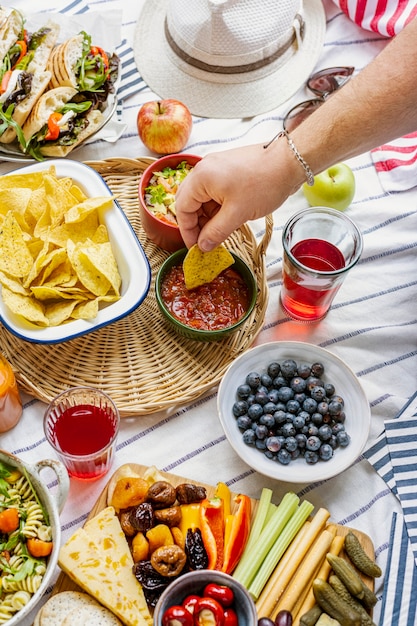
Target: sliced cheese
98 559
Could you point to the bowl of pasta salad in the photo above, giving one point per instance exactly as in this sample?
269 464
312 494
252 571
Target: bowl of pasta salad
30 533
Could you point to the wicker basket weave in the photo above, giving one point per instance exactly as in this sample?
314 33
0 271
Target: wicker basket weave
139 361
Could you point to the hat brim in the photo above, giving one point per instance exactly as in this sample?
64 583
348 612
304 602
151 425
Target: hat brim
251 94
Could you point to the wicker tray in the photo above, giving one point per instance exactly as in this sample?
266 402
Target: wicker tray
139 361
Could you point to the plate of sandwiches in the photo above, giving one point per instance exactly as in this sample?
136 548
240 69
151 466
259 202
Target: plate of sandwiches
54 95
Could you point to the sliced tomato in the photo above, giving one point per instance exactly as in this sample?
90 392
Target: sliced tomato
23 50
97 51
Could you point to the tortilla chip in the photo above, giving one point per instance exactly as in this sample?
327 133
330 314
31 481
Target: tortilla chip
203 267
29 308
15 257
79 212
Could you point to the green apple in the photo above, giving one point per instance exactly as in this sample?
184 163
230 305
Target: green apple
335 187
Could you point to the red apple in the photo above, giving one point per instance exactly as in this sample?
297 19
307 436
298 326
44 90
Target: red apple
164 126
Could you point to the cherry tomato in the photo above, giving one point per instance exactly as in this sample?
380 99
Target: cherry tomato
230 617
190 601
177 614
208 612
221 593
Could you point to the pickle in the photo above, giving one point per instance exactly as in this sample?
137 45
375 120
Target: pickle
332 604
343 591
347 575
359 558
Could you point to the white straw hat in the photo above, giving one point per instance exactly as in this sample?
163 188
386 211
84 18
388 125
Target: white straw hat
228 58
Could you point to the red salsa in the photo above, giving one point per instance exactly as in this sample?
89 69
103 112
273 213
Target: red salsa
213 306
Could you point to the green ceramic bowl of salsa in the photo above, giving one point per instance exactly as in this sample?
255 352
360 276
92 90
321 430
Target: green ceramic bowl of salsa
210 312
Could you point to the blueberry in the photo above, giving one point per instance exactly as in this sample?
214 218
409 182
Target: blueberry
243 392
240 408
260 444
325 432
253 379
298 421
311 457
269 455
244 422
329 389
283 456
280 417
249 437
337 427
266 380
313 381
273 444
273 396
310 405
270 407
317 419
317 369
335 407
323 407
295 454
300 397
325 452
298 384
267 420
285 394
261 396
255 411
291 444
293 406
274 369
343 439
289 368
261 431
313 443
288 430
301 440
304 370
317 393
278 382
312 430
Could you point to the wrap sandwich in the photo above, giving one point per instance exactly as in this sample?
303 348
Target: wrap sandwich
23 77
61 120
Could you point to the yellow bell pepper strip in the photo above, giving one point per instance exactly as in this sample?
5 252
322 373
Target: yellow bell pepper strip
212 530
223 492
237 536
53 127
190 517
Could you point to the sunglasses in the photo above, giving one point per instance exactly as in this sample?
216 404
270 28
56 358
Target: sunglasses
323 84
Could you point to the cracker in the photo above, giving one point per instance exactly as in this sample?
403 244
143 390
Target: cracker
91 616
56 609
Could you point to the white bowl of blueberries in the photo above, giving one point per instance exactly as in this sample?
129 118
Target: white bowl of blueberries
294 411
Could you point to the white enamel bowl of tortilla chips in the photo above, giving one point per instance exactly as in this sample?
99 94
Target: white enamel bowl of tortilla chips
336 371
132 263
53 503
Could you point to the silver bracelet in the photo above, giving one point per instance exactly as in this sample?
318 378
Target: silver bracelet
307 169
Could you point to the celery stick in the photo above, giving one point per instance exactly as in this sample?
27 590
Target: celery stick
271 511
247 568
281 544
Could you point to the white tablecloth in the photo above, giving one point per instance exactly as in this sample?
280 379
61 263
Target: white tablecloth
372 323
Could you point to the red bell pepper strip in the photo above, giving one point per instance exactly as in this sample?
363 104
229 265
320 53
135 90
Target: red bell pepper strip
212 531
53 128
5 81
23 50
208 612
230 617
221 593
97 51
238 535
177 614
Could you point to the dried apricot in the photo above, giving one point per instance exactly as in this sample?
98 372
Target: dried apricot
128 492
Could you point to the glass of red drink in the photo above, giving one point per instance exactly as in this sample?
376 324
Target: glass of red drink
320 246
81 424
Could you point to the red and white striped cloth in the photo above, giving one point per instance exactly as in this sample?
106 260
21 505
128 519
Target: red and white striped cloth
386 17
395 162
